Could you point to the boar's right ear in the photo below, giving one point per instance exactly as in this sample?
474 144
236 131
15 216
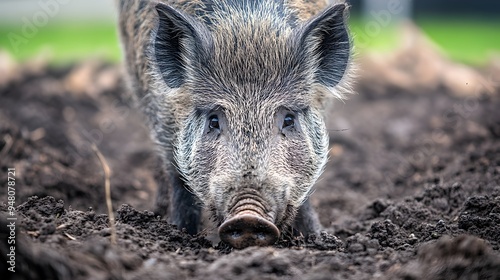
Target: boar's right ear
181 41
326 38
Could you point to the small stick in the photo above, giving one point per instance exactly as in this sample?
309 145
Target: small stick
69 236
107 187
8 144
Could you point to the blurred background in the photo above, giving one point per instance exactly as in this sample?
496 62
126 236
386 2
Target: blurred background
69 30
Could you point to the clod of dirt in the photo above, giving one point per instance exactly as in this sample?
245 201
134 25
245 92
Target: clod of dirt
481 215
462 257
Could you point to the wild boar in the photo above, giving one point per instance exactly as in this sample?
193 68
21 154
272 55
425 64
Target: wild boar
235 92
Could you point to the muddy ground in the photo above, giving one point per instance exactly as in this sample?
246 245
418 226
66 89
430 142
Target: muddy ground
411 190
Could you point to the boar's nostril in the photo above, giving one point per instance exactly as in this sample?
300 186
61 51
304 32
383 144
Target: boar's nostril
248 230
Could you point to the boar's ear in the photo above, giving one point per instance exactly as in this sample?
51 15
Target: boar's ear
181 41
327 39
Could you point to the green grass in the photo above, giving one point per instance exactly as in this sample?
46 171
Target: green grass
470 40
366 39
65 42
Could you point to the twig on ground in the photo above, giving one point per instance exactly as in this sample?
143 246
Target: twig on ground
107 188
8 144
69 236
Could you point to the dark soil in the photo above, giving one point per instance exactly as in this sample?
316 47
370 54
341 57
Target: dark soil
411 191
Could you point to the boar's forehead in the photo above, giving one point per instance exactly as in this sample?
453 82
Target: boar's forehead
252 65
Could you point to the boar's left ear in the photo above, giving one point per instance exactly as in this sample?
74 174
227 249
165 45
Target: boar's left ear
180 42
327 39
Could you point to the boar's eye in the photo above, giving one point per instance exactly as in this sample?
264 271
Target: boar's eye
289 121
213 122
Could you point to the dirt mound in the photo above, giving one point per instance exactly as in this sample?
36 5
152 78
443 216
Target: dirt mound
464 257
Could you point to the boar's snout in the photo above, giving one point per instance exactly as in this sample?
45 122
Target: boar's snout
246 230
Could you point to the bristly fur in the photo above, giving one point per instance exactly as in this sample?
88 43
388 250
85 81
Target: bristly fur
250 63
